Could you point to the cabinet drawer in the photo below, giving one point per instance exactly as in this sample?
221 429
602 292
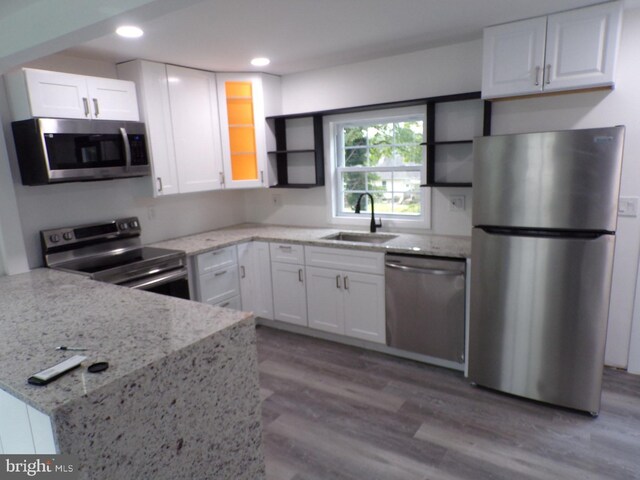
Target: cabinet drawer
219 285
351 260
215 259
287 253
232 303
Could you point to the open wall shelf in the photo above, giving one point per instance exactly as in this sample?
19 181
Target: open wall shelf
298 167
451 125
452 122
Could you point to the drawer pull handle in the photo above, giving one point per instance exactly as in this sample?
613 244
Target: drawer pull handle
85 102
225 304
338 286
300 275
242 272
288 248
217 274
346 282
96 108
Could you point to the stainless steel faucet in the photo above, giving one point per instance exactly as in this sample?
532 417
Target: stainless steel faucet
373 225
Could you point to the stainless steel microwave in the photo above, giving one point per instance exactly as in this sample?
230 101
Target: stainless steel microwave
52 150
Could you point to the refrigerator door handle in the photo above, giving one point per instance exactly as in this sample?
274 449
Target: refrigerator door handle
542 233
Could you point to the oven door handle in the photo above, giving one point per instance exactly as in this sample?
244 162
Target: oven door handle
147 283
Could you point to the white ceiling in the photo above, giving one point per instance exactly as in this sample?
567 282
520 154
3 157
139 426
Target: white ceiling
301 35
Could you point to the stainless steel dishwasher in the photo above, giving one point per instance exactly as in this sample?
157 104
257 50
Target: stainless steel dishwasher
425 305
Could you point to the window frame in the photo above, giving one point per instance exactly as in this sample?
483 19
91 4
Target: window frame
332 127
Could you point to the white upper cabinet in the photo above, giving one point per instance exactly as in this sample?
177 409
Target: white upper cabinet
179 108
196 131
582 47
41 93
571 50
513 56
242 128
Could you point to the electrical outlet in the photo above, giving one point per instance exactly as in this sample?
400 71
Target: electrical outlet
628 207
456 203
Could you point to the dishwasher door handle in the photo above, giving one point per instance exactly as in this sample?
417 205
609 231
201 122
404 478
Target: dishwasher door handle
426 271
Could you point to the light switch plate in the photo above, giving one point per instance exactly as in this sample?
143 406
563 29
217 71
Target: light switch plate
628 207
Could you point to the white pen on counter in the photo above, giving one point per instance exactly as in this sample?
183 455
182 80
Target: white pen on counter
71 349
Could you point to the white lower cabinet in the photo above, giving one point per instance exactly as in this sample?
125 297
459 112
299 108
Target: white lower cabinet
289 289
346 302
254 263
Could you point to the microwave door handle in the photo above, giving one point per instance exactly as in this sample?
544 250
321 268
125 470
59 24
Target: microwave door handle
127 148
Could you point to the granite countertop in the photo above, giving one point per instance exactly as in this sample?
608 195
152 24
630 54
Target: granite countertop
436 245
130 329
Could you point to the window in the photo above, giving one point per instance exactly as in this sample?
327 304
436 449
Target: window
381 156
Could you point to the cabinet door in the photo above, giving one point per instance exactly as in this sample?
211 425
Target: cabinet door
513 58
194 119
262 277
289 293
55 94
364 314
242 120
582 47
325 299
255 278
155 111
112 99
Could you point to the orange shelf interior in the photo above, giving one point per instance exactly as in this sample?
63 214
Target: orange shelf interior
242 139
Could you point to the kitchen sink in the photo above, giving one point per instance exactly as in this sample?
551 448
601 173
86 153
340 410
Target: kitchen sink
360 237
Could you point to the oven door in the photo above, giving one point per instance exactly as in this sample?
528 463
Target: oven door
174 283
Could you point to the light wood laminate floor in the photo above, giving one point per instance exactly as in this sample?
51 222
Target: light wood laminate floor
334 412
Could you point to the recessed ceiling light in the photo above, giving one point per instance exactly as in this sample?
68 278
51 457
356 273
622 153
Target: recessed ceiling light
129 31
260 62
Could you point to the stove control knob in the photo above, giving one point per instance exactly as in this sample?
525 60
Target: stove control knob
134 224
67 235
55 238
124 226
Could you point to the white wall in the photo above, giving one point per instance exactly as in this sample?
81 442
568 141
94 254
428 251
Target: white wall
456 69
51 206
438 71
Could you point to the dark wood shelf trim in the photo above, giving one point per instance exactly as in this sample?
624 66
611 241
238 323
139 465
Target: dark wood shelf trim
306 150
449 142
297 185
447 184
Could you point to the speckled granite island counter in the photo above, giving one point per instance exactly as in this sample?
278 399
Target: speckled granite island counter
416 244
180 398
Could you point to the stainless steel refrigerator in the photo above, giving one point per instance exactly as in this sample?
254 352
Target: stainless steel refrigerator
544 216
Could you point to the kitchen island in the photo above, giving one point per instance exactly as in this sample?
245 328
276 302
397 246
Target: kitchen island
180 398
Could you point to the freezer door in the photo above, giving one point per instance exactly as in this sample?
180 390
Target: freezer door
539 309
566 180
